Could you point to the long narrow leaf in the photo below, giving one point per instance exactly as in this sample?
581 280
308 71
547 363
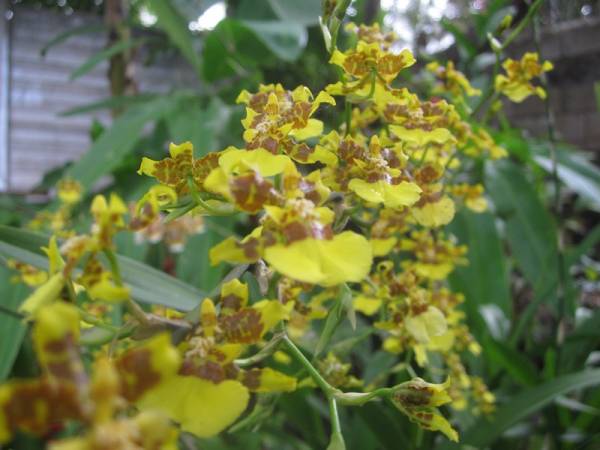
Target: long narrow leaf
64 35
107 53
110 148
174 24
147 284
12 330
521 406
118 101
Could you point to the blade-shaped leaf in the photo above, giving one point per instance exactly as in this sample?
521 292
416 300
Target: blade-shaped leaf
76 31
574 170
530 229
107 53
119 101
172 22
12 329
521 406
485 279
147 284
108 150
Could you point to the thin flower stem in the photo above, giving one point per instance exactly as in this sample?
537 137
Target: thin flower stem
135 309
562 275
337 438
313 372
498 52
522 24
263 353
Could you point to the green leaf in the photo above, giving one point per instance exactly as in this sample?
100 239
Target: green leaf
12 329
530 229
516 364
147 284
107 53
584 247
306 12
485 279
76 31
285 39
521 406
119 101
237 47
108 150
577 172
172 22
467 48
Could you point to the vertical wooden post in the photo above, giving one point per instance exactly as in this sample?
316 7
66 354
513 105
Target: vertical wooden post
120 70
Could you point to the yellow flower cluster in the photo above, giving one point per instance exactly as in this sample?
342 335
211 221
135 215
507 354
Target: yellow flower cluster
344 219
516 84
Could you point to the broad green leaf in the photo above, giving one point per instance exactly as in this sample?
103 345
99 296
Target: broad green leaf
76 31
119 101
237 47
522 405
575 171
174 24
107 53
285 39
530 229
485 279
108 150
304 12
232 49
147 284
12 329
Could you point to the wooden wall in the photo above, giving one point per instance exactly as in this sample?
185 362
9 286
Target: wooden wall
39 90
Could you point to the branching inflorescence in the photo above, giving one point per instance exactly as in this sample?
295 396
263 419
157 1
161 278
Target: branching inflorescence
348 220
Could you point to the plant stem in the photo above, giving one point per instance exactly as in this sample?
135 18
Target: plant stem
562 275
337 438
263 353
313 372
135 309
498 52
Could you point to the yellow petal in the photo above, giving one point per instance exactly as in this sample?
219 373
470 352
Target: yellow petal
426 325
259 160
108 291
435 214
345 258
271 313
199 406
268 380
422 137
54 323
55 261
382 247
313 128
366 305
147 167
175 150
43 295
391 195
